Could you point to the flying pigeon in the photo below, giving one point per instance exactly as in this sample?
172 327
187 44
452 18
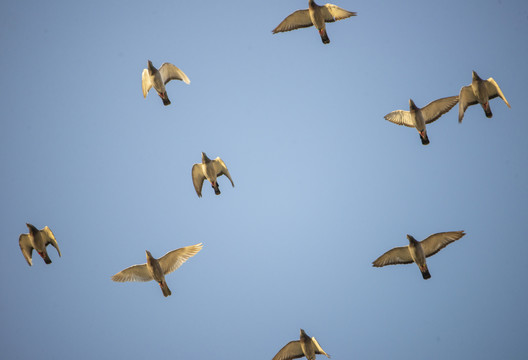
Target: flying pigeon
210 170
151 77
38 240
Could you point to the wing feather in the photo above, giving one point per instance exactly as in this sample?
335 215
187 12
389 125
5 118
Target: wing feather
399 255
494 90
49 238
319 349
296 20
133 273
198 178
26 247
170 72
438 241
437 108
221 169
400 117
175 258
332 13
465 98
291 350
145 82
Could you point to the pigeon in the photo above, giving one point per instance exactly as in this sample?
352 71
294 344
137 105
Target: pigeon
156 269
480 91
298 348
417 251
210 170
315 15
418 118
151 77
38 240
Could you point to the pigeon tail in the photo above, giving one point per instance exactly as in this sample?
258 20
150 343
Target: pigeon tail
324 36
217 190
425 139
47 259
426 274
166 100
165 289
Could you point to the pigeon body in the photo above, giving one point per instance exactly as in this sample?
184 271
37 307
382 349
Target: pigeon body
210 170
156 269
418 117
418 251
38 240
305 346
479 92
152 77
315 15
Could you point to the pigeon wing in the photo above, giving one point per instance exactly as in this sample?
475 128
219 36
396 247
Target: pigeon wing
145 82
49 238
465 98
400 117
437 108
221 169
198 178
175 258
170 72
319 349
494 90
437 242
298 19
133 273
399 255
291 350
26 247
332 13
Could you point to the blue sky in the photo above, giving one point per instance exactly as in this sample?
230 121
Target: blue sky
323 184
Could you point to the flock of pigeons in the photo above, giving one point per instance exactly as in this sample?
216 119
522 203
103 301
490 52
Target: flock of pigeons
478 92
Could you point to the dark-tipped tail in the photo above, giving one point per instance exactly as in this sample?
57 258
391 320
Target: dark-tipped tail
166 100
165 289
425 139
47 259
487 110
426 274
324 36
217 190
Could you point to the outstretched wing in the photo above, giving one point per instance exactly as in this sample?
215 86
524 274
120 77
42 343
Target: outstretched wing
170 72
465 98
291 350
332 13
494 90
298 19
49 238
437 242
26 247
400 117
437 108
318 348
198 178
145 82
133 273
175 258
399 255
221 169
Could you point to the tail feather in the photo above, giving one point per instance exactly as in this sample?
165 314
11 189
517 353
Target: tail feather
165 289
425 139
324 36
425 274
487 110
47 259
217 189
166 100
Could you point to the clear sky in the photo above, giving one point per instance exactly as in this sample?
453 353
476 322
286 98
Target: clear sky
323 184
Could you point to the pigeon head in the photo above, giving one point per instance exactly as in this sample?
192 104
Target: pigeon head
411 239
412 106
32 229
475 75
149 255
151 67
205 159
303 333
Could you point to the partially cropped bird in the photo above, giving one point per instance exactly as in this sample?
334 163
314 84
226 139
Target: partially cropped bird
315 15
38 240
156 269
210 170
305 346
417 251
479 92
418 118
151 77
